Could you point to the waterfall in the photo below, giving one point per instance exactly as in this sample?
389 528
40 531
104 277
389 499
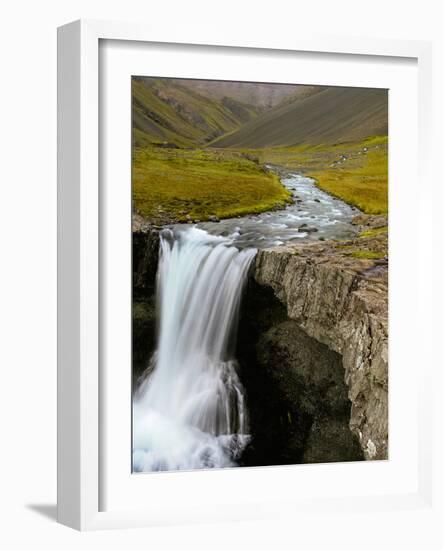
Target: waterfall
189 412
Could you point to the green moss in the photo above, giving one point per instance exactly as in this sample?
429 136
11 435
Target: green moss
374 232
195 184
142 312
368 254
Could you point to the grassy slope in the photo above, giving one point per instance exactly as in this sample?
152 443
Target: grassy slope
164 111
334 115
361 179
178 185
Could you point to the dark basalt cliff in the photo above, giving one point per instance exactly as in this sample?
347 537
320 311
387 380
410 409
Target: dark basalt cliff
145 249
341 302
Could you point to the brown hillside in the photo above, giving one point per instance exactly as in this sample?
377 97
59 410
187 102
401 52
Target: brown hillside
334 115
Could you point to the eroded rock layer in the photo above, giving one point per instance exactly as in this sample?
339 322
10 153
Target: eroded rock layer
340 300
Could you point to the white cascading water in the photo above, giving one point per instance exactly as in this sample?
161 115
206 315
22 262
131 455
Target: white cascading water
189 412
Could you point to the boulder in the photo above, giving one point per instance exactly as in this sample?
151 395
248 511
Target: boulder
306 229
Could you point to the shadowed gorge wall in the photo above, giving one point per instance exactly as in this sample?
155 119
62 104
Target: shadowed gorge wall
145 245
297 398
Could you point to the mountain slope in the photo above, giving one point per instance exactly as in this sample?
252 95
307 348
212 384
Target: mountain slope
166 111
259 94
333 115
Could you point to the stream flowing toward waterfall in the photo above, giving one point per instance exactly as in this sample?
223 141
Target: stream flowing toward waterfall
190 411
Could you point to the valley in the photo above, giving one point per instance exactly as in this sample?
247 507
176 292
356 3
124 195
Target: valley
260 274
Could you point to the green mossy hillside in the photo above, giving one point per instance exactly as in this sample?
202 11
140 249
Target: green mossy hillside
166 112
180 185
360 180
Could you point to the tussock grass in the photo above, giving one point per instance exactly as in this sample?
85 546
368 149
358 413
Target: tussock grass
361 182
178 185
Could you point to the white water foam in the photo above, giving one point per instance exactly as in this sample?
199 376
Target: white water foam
190 410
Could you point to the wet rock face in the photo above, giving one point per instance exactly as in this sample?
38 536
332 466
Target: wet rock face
143 334
341 302
145 246
297 398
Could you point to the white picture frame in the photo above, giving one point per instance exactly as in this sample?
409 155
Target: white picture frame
80 411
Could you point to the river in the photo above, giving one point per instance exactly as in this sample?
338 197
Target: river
313 209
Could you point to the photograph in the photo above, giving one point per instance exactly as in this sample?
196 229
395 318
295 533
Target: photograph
259 274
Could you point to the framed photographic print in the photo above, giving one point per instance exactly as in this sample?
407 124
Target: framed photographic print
232 276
